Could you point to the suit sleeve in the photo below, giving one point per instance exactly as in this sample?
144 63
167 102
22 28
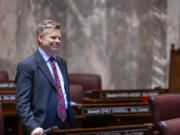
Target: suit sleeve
24 96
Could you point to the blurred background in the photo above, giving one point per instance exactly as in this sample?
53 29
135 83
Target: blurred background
126 42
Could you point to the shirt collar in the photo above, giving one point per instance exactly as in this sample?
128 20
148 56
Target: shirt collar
45 55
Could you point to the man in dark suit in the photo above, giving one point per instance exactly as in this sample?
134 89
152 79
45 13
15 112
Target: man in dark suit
42 88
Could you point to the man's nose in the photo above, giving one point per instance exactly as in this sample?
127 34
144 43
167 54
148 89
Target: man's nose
58 40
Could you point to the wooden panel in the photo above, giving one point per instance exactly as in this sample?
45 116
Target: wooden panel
121 96
122 113
174 70
145 129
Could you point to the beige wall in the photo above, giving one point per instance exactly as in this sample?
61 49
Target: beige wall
126 42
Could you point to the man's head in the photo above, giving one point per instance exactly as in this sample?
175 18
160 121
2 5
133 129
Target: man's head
49 36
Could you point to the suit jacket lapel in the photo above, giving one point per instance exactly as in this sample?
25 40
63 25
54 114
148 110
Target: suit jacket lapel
44 68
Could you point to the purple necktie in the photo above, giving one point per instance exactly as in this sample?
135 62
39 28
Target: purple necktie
61 102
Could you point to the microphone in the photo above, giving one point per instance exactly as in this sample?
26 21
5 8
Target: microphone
48 130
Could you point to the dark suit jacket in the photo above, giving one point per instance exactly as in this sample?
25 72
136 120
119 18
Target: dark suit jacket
36 94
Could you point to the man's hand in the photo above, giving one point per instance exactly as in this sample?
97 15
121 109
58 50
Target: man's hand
37 131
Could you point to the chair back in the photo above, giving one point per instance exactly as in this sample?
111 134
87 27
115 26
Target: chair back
4 75
164 107
87 81
76 93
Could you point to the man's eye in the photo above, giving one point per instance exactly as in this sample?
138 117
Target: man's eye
53 37
56 38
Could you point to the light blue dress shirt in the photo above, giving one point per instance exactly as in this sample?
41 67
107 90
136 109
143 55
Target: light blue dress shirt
46 58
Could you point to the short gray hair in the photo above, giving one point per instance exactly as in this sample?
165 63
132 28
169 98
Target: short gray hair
45 24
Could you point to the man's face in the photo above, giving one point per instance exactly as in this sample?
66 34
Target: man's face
50 41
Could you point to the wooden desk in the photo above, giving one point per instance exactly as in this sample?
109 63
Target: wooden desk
7 84
7 98
120 96
144 129
12 122
122 113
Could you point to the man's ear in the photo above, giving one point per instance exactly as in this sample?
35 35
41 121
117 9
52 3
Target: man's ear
39 38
